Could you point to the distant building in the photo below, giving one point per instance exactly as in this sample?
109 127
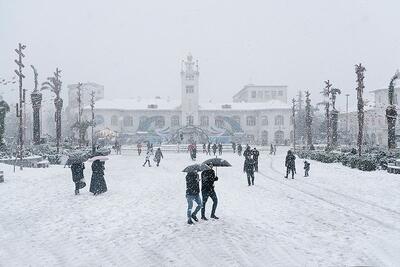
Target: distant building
262 120
261 93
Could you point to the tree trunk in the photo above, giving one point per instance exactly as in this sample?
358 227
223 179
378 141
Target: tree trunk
58 102
36 99
391 116
334 127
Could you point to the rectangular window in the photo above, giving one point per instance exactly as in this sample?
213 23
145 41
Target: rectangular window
260 94
253 94
189 89
273 94
280 93
266 95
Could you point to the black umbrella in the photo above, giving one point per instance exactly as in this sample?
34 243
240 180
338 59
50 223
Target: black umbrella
217 162
196 168
77 157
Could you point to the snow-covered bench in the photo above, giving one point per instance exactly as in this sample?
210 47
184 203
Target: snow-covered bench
393 168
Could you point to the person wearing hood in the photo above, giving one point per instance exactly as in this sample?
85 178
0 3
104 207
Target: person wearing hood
158 156
290 164
98 183
207 190
192 194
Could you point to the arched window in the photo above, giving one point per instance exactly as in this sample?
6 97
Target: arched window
264 120
204 121
279 137
160 122
251 121
114 120
128 121
174 121
189 120
279 120
219 123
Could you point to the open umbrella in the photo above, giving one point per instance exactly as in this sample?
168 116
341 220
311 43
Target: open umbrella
101 158
196 168
77 157
217 162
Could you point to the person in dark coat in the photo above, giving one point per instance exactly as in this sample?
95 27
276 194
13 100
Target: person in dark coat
234 147
239 149
247 152
192 194
139 148
158 156
290 164
214 148
255 154
248 168
220 149
209 148
306 168
77 176
207 190
98 183
271 149
204 149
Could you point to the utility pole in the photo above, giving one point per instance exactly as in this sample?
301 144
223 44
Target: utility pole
294 123
92 94
19 106
347 116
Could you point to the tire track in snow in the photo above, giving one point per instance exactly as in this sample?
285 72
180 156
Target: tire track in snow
380 222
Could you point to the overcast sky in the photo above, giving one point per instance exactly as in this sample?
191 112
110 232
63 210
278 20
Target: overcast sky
134 48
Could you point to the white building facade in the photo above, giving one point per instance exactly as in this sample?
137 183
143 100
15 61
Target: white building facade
260 121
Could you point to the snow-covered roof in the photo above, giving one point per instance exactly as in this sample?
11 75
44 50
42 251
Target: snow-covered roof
272 104
166 104
136 104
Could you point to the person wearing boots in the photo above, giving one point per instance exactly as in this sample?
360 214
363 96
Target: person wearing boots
207 190
158 156
192 194
220 149
290 164
214 148
77 176
248 168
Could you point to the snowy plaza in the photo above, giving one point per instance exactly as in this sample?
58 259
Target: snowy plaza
337 216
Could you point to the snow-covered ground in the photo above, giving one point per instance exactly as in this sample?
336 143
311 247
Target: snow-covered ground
337 216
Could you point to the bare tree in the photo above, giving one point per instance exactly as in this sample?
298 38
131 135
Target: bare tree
54 85
308 121
391 113
360 69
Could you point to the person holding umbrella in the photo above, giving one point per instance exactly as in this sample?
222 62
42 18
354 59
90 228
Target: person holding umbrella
193 189
208 178
98 183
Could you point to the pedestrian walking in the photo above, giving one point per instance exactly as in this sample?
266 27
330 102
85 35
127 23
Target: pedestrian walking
204 148
192 194
271 149
306 168
214 148
147 159
290 164
234 147
77 176
247 152
274 149
208 178
248 168
209 148
255 154
239 149
139 148
98 183
158 156
220 149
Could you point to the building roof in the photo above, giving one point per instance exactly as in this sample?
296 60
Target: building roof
247 86
136 104
383 89
272 104
166 104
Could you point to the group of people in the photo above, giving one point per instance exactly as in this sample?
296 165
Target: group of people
97 183
157 157
290 164
207 148
208 178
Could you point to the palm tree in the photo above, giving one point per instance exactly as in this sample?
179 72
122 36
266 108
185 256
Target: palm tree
54 85
360 69
4 108
334 116
308 121
391 112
